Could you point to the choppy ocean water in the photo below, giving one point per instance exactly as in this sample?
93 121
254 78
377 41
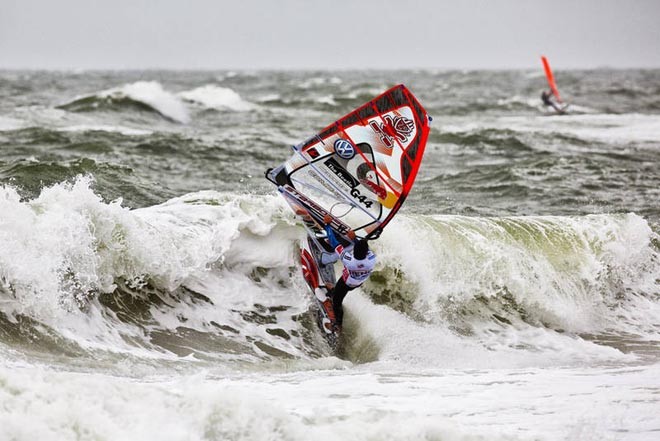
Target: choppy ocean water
149 287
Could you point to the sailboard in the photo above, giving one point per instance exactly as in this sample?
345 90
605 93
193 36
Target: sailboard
359 170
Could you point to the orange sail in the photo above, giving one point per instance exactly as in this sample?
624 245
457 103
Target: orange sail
550 77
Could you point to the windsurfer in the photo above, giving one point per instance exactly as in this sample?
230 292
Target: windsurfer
548 99
358 261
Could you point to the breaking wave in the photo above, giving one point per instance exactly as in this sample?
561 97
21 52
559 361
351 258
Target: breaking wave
216 97
141 95
213 276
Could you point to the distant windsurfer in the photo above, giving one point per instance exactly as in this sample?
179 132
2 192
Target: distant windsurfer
358 261
549 100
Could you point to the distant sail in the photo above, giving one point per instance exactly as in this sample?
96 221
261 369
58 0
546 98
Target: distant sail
551 78
361 167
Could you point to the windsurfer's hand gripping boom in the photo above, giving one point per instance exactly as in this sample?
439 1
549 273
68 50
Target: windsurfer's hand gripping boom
332 239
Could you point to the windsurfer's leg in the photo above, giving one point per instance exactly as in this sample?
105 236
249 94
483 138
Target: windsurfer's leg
329 258
338 294
327 268
325 262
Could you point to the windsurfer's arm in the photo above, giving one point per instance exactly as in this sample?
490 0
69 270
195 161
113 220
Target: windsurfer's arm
334 243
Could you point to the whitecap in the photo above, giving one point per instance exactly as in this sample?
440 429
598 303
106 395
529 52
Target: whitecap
328 99
105 128
7 123
216 97
152 94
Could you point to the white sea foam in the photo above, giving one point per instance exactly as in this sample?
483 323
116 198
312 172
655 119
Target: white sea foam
216 97
362 404
565 273
563 270
515 99
68 228
327 99
429 381
404 343
7 123
152 94
63 121
445 368
129 131
597 127
319 81
64 247
269 98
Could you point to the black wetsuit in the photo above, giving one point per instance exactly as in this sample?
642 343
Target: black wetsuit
356 271
338 293
545 97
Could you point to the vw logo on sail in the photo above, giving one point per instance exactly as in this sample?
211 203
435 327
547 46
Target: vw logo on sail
344 149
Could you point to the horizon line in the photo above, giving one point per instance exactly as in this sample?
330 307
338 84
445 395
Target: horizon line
313 69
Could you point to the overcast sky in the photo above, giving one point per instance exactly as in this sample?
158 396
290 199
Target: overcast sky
327 34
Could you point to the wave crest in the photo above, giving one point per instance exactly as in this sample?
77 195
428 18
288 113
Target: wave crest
216 97
216 275
563 273
142 95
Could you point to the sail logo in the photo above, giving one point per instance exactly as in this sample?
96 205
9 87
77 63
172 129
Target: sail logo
377 189
399 128
341 173
344 149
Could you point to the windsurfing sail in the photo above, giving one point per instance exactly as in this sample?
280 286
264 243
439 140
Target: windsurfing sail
551 78
360 168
